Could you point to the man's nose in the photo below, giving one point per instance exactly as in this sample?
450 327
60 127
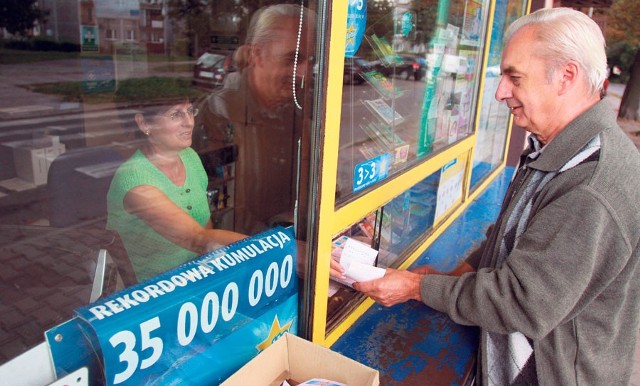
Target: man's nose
504 89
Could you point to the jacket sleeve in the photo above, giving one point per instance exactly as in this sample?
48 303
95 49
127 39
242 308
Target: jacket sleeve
213 129
571 249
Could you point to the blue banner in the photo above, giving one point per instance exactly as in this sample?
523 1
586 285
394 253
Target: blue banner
201 322
356 25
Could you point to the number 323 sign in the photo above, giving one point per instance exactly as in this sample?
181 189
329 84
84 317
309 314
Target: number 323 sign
193 325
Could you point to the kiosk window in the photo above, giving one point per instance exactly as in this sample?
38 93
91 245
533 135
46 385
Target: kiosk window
410 89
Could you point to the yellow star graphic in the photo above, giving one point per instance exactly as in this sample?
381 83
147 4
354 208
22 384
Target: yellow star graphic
351 29
275 332
350 32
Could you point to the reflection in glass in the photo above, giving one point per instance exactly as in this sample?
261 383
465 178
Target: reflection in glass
409 90
494 117
73 86
260 113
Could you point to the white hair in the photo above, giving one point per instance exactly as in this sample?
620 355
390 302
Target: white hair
566 34
263 22
266 19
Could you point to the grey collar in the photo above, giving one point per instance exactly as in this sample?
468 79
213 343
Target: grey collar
575 136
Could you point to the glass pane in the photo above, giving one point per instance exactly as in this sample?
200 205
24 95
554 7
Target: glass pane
494 116
410 87
131 126
395 228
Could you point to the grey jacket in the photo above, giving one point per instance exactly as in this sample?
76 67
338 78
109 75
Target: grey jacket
572 282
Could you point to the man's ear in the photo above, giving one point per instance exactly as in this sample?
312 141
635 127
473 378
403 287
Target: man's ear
569 76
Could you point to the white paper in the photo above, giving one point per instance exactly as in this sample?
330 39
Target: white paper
358 260
356 251
363 272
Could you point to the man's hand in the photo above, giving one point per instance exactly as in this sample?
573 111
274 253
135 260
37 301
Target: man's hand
395 287
425 270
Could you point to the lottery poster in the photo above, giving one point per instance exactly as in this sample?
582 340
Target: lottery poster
194 325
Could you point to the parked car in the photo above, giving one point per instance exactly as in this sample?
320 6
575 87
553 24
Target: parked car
408 66
211 69
353 69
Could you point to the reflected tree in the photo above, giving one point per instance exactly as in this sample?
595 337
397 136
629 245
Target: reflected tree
198 20
190 17
18 17
623 27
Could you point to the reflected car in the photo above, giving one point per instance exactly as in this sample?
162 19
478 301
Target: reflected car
354 68
409 66
211 69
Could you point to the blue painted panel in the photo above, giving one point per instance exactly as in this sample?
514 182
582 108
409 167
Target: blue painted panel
412 344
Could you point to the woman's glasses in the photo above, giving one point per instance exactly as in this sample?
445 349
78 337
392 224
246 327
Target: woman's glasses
180 115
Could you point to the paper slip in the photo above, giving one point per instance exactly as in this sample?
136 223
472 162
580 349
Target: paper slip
357 259
356 251
363 272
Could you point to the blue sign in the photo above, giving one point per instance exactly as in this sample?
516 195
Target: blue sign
356 24
98 74
369 172
407 23
199 323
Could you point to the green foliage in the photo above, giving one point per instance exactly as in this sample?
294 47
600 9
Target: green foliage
20 56
154 88
621 54
39 44
191 16
19 16
622 22
623 36
133 90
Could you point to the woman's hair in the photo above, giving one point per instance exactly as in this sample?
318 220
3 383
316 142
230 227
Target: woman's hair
566 34
261 27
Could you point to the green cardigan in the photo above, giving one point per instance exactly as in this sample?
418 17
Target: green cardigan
149 252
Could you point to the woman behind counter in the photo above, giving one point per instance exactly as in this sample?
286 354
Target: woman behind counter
157 200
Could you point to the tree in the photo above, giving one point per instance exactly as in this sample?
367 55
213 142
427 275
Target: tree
195 20
622 26
19 16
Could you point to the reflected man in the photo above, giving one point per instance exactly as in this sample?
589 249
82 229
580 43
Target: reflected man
256 111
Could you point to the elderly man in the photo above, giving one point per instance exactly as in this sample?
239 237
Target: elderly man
555 288
259 111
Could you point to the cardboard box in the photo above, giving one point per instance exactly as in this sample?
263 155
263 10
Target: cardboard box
296 359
